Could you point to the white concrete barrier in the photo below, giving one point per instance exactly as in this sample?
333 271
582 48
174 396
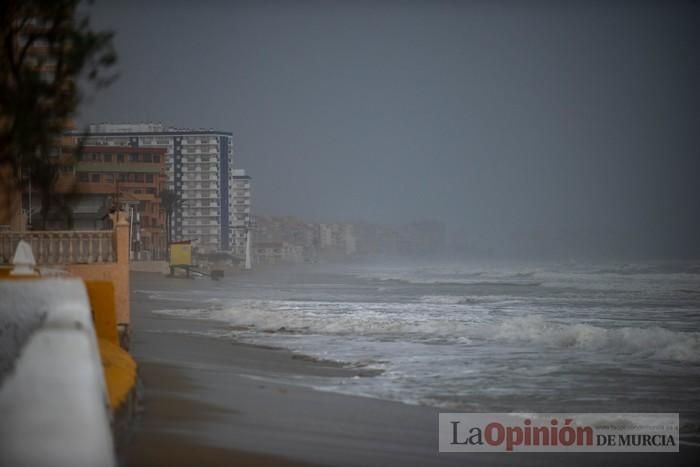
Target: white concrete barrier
53 400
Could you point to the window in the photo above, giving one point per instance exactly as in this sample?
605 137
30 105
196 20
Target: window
118 141
107 157
95 157
147 157
95 178
138 178
108 178
156 158
120 157
83 177
149 178
133 157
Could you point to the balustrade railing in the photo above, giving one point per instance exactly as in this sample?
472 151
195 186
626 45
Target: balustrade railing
61 246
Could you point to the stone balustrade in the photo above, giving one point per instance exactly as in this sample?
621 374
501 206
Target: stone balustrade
60 247
93 255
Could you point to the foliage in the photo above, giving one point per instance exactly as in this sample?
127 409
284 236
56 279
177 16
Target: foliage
169 201
46 48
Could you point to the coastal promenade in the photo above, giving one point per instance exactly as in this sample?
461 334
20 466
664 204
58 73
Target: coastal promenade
227 403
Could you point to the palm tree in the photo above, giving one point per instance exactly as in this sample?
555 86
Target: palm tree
169 201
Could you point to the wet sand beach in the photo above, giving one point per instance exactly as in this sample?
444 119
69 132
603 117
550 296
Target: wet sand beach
158 442
211 401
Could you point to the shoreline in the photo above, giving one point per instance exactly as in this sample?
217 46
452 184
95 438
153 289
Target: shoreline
153 443
210 401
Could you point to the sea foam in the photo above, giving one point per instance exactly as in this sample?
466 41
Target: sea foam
399 321
652 342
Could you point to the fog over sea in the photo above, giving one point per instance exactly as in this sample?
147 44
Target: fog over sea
477 336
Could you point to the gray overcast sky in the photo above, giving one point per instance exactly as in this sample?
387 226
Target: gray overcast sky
573 126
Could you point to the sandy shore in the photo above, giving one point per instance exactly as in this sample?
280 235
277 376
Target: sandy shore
210 401
157 440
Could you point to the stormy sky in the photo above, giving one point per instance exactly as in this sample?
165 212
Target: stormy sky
570 128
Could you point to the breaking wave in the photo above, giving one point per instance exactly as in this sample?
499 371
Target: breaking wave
652 342
454 278
444 300
476 283
270 318
641 269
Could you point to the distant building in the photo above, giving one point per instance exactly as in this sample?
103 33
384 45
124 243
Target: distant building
326 237
277 253
241 222
349 239
288 229
199 169
337 239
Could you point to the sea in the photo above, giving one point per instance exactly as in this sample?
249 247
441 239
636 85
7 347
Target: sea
476 336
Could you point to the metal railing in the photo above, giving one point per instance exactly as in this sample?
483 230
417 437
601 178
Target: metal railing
62 246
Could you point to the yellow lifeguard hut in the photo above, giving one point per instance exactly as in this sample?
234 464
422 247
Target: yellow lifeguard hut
180 256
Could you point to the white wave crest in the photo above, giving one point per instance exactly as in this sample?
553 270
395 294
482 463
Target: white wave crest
400 321
331 318
442 299
652 342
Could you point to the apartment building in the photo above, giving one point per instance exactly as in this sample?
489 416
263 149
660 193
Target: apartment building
289 229
133 180
241 220
277 253
106 178
337 239
199 169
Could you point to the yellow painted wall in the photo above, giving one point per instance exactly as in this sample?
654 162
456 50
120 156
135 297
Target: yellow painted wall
117 272
118 366
114 272
104 315
119 370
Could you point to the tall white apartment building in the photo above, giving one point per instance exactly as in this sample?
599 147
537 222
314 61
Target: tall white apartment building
199 165
241 221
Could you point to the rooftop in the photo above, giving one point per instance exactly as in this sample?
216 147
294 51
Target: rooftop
142 129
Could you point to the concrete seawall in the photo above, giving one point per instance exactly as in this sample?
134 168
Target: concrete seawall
54 403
